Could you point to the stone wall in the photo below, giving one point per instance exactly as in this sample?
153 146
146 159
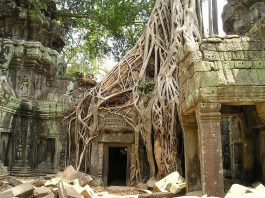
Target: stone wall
34 96
20 20
222 62
240 15
221 103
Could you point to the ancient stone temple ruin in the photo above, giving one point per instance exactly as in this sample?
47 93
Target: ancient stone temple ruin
175 101
33 95
222 103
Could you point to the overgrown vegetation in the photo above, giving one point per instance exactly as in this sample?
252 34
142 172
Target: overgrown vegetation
97 29
172 24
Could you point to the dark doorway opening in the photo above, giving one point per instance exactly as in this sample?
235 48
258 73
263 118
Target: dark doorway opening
117 166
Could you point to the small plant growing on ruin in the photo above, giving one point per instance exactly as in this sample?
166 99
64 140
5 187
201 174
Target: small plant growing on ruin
38 182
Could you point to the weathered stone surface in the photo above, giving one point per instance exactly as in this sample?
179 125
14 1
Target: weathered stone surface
239 16
22 21
175 188
73 191
237 190
23 191
7 194
174 179
13 181
33 93
42 192
70 174
52 182
258 186
88 192
229 73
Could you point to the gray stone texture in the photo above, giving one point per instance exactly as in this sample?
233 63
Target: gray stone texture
240 15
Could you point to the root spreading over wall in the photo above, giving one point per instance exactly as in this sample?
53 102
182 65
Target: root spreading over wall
144 82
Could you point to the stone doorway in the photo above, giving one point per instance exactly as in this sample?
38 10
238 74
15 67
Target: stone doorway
242 145
116 165
45 154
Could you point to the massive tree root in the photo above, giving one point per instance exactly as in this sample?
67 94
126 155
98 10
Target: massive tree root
146 80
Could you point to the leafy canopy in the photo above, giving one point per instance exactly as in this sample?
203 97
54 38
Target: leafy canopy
99 28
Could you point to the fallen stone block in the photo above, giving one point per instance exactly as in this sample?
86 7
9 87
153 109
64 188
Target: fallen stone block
67 174
70 192
22 191
7 194
42 191
52 182
258 186
84 179
66 190
61 191
13 181
173 178
237 190
75 182
88 192
175 188
70 174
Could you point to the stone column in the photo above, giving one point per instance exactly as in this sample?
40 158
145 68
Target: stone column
260 107
208 119
191 146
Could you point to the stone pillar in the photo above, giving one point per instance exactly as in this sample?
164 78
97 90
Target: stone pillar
260 107
191 147
208 119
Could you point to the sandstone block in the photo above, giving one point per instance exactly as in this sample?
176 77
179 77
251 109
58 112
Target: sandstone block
70 174
22 191
7 194
174 178
53 182
258 186
73 191
41 192
237 190
13 181
88 192
175 188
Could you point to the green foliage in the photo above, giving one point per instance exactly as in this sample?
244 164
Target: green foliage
98 28
146 87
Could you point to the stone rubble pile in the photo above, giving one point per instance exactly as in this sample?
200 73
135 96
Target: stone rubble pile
74 184
257 190
67 184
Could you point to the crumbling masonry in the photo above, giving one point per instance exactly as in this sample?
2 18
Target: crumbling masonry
33 95
219 84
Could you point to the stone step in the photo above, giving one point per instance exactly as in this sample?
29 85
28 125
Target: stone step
21 171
